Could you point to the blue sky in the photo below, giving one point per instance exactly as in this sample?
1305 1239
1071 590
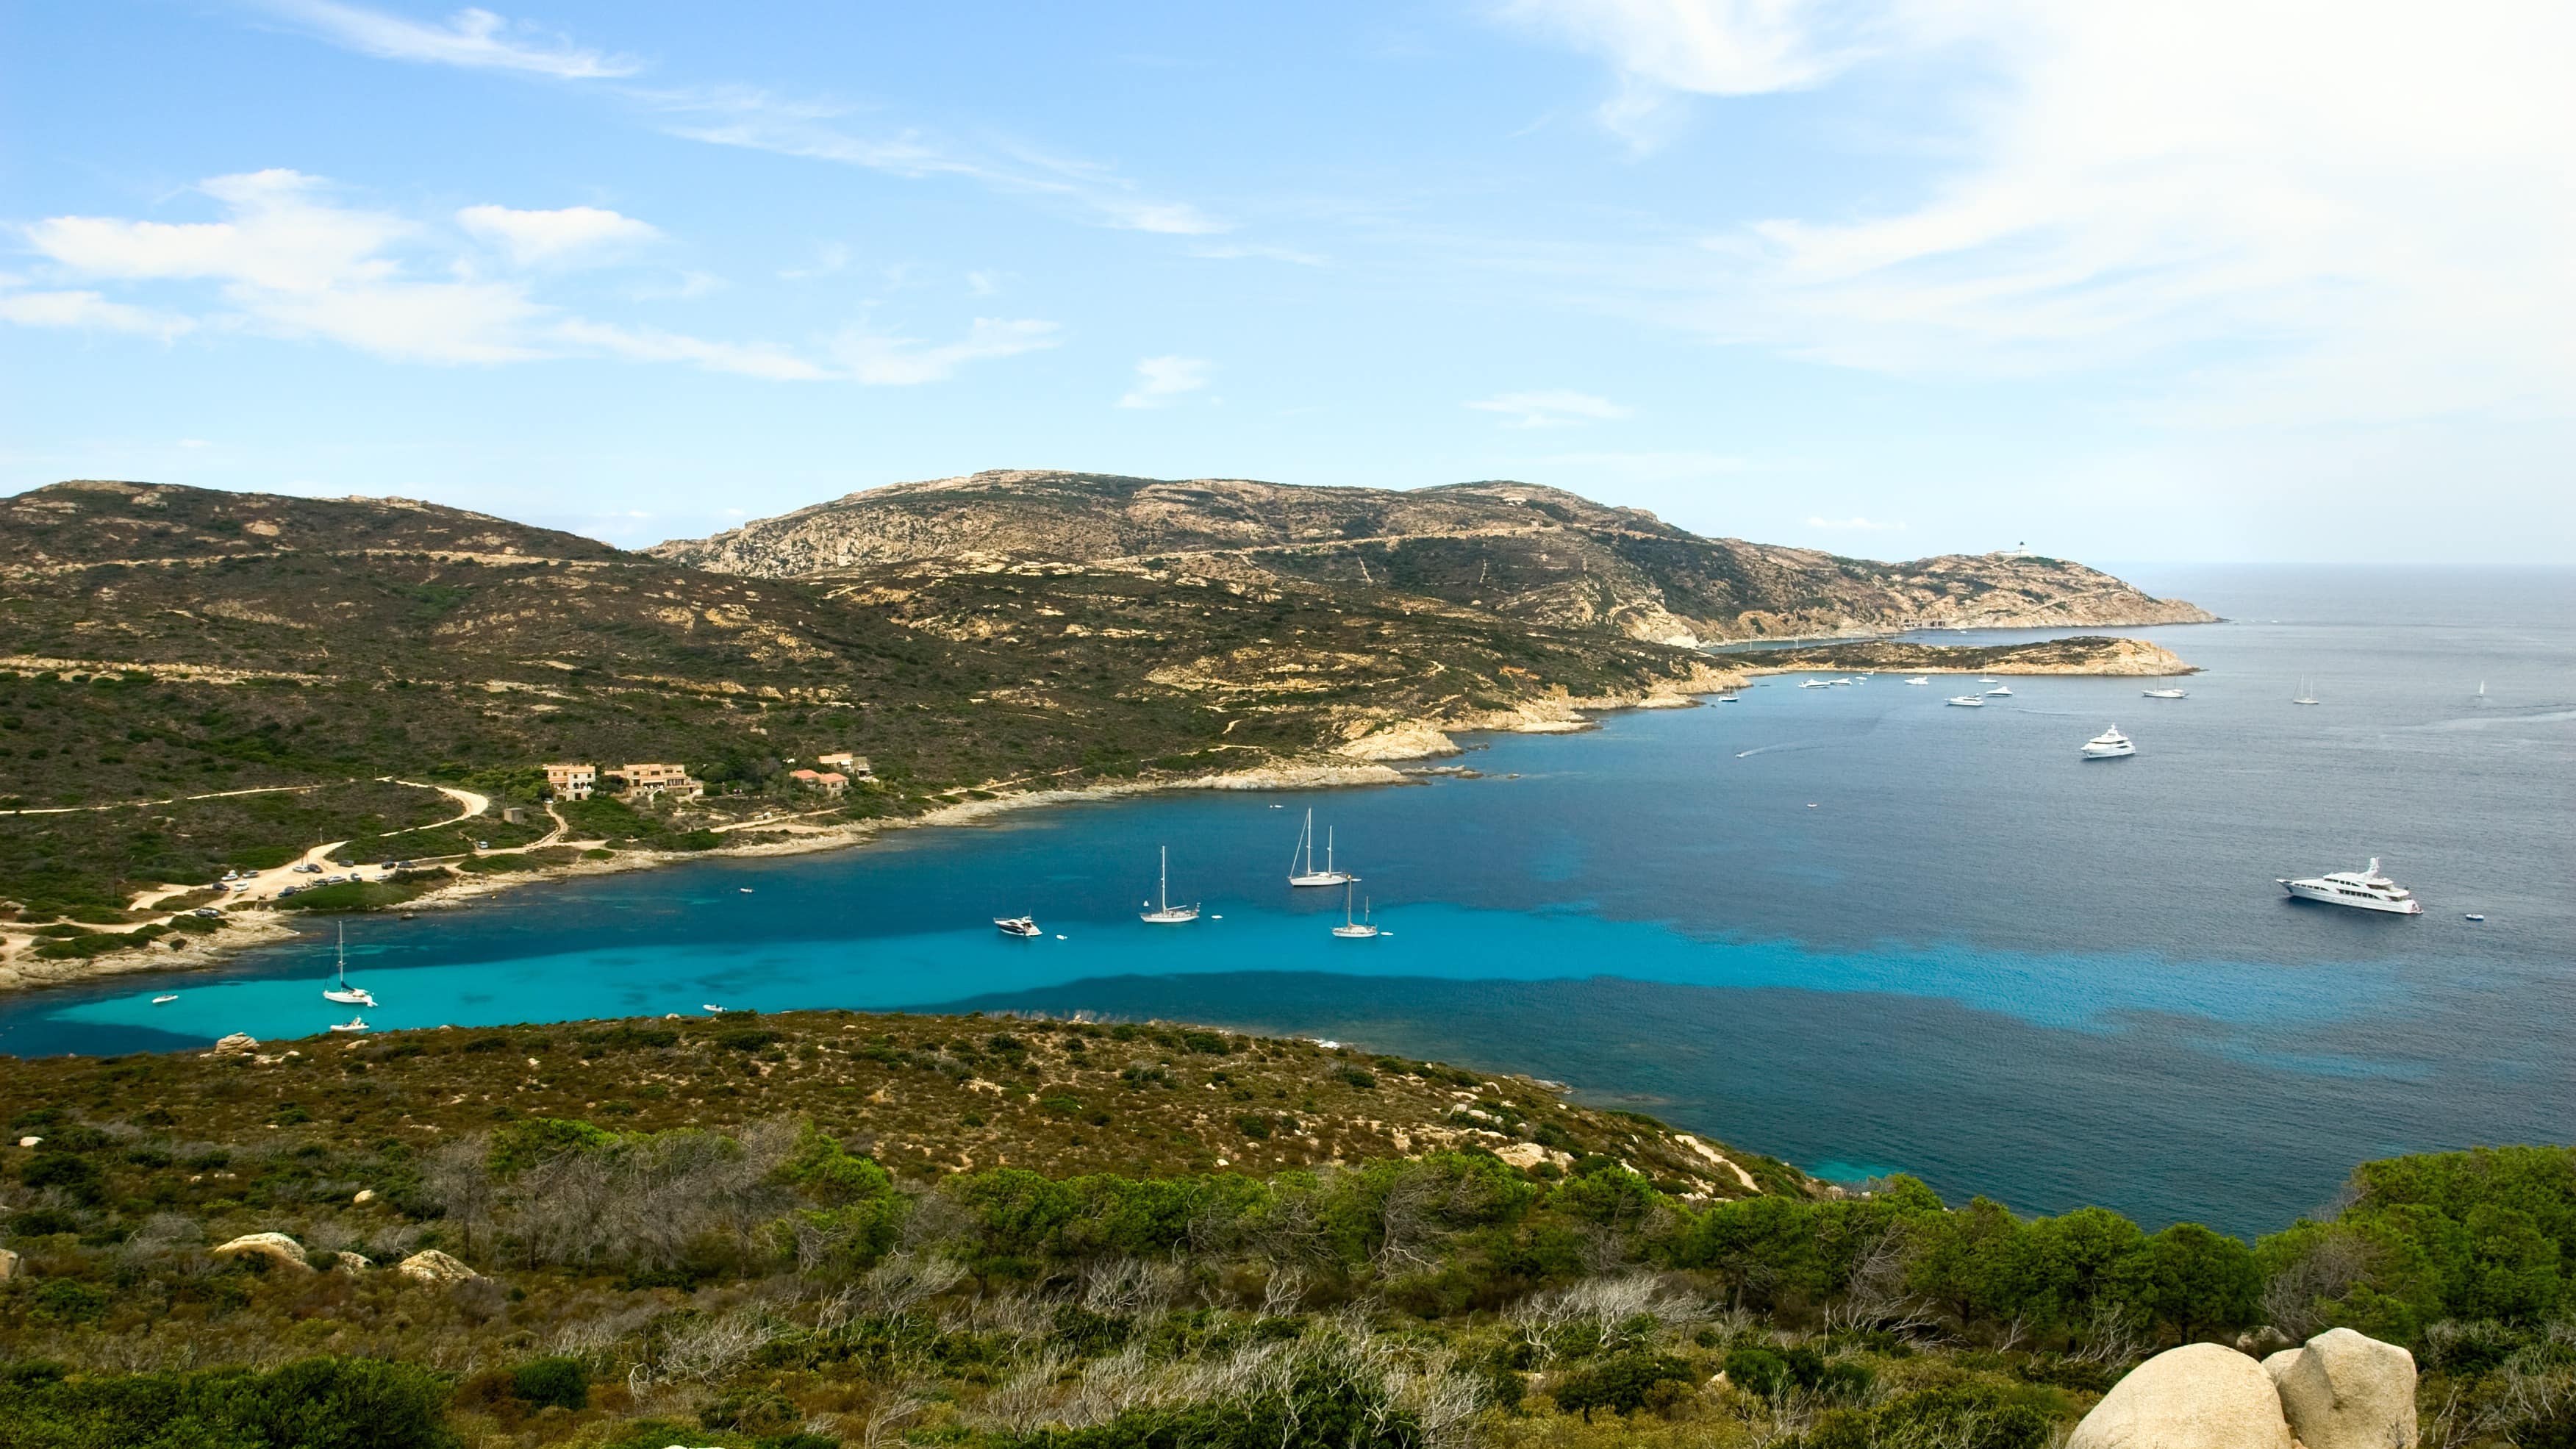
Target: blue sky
2212 279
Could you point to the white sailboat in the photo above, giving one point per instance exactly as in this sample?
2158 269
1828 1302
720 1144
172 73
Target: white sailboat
1164 912
2165 694
2307 693
1307 875
343 992
1350 930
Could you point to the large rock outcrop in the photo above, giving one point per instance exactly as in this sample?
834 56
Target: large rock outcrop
2198 1396
280 1250
2345 1391
432 1266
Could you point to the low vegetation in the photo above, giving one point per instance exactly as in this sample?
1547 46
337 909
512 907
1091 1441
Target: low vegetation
794 1232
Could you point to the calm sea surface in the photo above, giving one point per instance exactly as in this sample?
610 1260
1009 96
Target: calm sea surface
1851 927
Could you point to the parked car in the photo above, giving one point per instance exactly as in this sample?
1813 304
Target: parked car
288 891
209 912
308 868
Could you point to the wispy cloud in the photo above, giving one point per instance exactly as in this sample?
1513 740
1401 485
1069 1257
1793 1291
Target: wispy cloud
2284 223
1551 408
88 311
289 260
568 236
819 130
1160 380
830 259
471 37
892 360
1659 50
1856 524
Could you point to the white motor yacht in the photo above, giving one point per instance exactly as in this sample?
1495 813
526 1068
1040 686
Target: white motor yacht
2000 691
1017 926
1721 699
1967 701
1926 679
2165 694
1164 913
1305 874
1813 684
2364 889
2109 745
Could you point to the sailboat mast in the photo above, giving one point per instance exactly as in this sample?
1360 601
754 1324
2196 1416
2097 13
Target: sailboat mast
1163 884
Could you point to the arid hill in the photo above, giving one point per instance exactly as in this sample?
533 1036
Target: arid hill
1533 553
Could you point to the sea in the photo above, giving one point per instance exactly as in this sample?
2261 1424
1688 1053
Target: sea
1853 928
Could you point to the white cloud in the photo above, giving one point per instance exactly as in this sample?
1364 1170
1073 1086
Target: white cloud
1660 48
888 360
471 37
758 120
1159 380
1552 408
563 237
289 261
87 311
1856 524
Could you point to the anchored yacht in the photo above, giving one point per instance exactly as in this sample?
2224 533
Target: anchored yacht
2109 745
2164 694
1017 926
344 993
2364 889
1307 875
1926 679
1967 701
2000 691
1164 912
1350 930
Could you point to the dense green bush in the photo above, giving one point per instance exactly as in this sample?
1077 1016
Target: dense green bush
558 1381
1967 1417
1622 1382
317 1403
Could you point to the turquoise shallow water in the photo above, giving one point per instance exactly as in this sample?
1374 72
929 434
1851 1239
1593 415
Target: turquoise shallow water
1850 927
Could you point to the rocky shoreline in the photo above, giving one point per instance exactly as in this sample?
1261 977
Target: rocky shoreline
1362 758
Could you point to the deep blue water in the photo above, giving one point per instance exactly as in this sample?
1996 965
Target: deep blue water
1850 927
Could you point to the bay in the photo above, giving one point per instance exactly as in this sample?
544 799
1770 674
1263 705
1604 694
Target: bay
1850 927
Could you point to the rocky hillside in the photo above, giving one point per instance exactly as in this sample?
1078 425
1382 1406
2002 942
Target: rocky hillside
1527 552
164 652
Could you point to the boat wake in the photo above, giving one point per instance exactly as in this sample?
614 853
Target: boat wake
1774 749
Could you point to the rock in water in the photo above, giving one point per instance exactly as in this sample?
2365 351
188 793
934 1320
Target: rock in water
432 1266
2198 1396
277 1248
2347 1391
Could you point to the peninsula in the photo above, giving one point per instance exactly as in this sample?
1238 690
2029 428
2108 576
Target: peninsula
210 700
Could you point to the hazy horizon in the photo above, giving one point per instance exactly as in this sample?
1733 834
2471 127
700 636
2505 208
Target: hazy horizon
2204 283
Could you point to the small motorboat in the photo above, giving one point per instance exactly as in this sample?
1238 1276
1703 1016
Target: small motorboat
1967 701
1926 679
1813 684
2471 916
1023 926
1730 699
746 890
2165 694
353 1024
2000 691
2109 745
710 1007
166 1000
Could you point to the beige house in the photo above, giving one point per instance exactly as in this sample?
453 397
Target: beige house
572 782
830 782
660 779
855 765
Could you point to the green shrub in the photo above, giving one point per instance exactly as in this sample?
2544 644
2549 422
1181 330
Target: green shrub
561 1382
1622 1383
316 1403
1969 1417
